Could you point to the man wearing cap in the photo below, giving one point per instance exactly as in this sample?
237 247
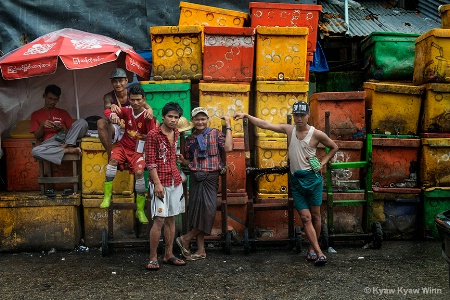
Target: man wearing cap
203 156
165 185
130 150
305 181
112 102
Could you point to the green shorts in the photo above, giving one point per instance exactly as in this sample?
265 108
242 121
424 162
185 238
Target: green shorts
306 188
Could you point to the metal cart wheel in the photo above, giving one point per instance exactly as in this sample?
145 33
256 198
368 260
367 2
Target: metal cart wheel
324 240
105 247
298 239
246 242
377 232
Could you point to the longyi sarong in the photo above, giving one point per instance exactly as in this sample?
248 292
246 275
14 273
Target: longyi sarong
203 200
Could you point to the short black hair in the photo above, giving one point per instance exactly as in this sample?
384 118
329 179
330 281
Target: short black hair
54 89
172 106
136 89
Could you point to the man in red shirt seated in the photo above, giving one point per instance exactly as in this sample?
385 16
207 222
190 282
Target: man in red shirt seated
130 148
55 129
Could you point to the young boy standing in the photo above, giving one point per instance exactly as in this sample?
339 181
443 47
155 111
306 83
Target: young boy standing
165 184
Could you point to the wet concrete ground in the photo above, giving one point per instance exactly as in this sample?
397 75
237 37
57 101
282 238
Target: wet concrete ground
399 270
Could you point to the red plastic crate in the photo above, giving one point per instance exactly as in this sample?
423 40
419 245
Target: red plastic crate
287 15
347 114
22 171
395 162
228 53
236 176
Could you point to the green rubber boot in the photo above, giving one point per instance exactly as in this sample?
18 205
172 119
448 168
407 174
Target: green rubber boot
140 213
107 190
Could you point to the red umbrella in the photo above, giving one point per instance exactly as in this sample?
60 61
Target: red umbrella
76 49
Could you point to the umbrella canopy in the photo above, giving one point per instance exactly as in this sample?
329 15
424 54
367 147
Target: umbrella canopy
76 49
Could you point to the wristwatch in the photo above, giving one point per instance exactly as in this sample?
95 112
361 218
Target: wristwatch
229 128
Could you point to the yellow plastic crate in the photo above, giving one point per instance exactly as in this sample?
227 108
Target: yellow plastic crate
34 222
395 107
22 130
196 14
93 170
435 162
272 152
274 100
96 218
444 12
281 53
431 63
177 52
436 112
222 99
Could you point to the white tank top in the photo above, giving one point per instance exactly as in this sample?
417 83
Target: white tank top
299 150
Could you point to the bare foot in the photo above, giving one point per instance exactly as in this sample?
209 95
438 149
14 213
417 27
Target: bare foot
72 150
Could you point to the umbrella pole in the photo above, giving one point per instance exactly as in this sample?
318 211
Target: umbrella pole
76 93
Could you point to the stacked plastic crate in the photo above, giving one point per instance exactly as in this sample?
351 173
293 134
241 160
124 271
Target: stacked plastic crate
93 173
31 220
395 102
211 47
347 125
431 72
286 36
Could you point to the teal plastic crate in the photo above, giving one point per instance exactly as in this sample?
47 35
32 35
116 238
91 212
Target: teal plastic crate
389 55
435 200
158 93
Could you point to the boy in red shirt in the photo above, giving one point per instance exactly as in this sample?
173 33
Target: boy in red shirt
130 149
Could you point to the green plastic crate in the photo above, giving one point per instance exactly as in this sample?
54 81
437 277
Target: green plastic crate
389 55
158 93
435 201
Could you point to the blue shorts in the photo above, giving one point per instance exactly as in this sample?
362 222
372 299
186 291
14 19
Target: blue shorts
306 188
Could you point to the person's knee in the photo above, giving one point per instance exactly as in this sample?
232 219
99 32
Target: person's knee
101 124
170 222
139 174
35 152
305 216
158 222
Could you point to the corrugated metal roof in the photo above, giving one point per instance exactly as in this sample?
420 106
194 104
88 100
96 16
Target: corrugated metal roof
370 17
428 8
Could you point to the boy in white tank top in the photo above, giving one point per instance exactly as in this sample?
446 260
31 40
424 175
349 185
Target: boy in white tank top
305 181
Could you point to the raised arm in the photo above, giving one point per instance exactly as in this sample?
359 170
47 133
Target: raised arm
282 128
228 135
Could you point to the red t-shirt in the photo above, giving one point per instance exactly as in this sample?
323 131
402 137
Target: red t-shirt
134 127
56 114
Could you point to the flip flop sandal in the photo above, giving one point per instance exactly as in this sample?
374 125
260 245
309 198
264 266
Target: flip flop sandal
172 261
154 263
196 257
186 253
311 256
321 260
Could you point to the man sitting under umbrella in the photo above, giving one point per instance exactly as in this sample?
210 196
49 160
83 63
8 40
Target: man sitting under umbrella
55 129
